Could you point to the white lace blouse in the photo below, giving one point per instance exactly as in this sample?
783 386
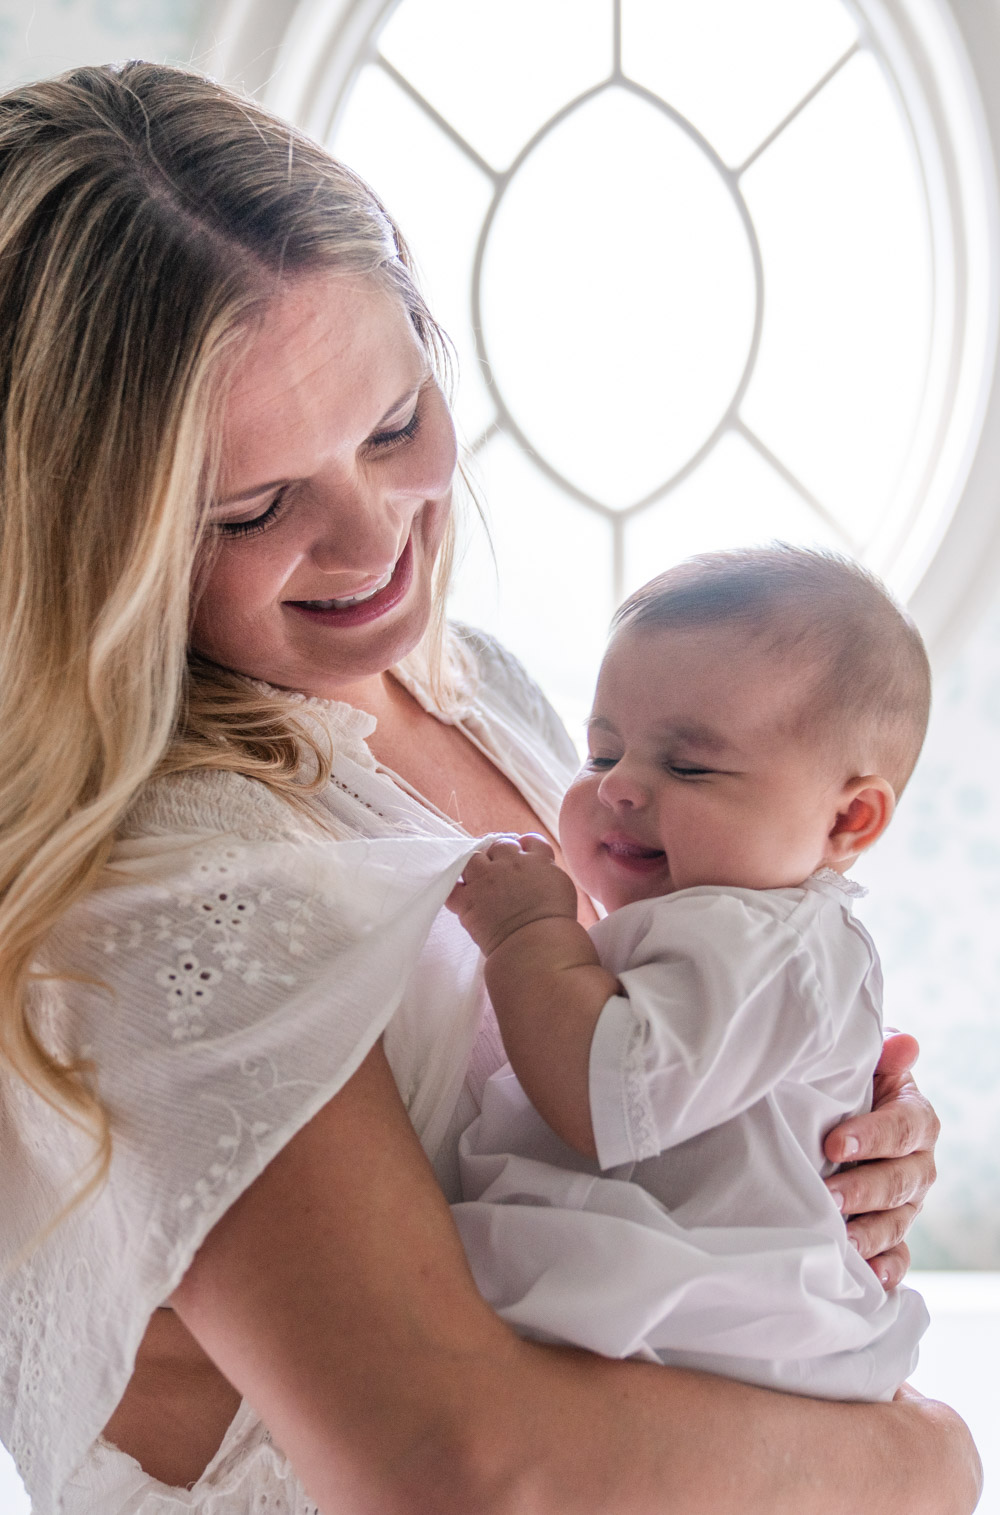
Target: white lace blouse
235 967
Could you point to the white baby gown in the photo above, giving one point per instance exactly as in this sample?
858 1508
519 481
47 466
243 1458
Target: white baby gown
749 1027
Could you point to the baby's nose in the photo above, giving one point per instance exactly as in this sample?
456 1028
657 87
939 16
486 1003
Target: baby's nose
620 789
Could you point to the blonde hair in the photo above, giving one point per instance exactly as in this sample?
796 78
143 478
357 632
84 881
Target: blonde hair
870 686
147 215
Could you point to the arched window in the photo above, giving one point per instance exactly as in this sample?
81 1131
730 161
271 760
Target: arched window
715 273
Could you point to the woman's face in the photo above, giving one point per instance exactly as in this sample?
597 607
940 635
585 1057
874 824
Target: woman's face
337 460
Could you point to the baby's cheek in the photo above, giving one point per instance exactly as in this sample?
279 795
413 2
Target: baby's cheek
578 832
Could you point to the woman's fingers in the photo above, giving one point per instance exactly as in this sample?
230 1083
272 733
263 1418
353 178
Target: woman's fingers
899 1053
886 1185
903 1122
879 1234
891 1267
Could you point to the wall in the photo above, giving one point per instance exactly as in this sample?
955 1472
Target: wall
39 37
934 910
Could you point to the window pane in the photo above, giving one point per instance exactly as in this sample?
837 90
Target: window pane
439 210
734 68
618 298
498 69
839 211
735 499
549 597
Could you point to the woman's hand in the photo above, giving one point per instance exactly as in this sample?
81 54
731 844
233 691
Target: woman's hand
894 1148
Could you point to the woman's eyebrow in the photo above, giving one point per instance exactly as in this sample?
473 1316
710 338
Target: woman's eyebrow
249 494
404 399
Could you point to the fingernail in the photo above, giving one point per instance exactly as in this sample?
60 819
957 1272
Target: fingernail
884 1276
838 1199
851 1147
854 1242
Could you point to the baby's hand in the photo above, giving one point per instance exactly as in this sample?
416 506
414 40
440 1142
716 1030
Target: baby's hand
514 882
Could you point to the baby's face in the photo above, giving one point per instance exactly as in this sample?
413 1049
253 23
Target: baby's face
693 777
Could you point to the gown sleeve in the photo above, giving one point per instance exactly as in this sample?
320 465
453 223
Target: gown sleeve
722 1002
224 990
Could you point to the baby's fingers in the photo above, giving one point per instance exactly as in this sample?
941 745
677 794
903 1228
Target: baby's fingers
532 842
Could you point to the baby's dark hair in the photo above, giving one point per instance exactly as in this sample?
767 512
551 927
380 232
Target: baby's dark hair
869 696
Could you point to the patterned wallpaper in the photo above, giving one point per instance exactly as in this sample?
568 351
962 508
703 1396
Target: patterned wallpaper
934 910
935 878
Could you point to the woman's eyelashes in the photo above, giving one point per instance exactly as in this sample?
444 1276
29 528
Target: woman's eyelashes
379 440
256 523
402 433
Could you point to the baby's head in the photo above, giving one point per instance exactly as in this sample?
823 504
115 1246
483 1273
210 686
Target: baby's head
757 715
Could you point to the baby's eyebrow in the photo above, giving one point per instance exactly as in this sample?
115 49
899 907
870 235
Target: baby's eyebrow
693 734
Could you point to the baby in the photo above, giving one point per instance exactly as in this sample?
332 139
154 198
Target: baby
756 716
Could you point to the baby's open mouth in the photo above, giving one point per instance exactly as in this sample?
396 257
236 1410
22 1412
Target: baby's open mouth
633 855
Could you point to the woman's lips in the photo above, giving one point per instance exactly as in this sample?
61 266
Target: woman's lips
632 855
365 610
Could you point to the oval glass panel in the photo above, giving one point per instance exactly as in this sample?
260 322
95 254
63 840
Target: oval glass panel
618 298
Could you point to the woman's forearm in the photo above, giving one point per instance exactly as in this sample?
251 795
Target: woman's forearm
646 1438
335 1296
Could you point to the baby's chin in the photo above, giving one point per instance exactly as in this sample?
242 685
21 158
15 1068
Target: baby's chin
615 898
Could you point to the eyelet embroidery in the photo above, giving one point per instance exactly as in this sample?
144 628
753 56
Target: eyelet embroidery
199 940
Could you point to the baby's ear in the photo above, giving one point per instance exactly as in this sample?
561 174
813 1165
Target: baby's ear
863 812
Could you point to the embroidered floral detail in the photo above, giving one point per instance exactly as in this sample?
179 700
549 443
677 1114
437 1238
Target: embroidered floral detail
189 989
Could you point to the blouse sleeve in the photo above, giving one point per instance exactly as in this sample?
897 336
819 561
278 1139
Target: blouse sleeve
224 991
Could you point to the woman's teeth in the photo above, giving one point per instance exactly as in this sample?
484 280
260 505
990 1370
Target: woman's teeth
354 599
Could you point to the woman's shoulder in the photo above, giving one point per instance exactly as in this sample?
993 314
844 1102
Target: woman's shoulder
505 688
218 802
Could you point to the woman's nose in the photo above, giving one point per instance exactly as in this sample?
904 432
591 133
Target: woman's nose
357 529
622 789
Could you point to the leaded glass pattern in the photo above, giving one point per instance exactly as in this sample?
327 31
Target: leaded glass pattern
683 249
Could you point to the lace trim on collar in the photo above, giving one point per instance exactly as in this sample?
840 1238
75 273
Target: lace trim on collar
341 720
847 886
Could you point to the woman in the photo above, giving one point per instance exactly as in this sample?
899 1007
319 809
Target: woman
222 878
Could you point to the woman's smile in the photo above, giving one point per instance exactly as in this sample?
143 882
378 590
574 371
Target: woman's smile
368 604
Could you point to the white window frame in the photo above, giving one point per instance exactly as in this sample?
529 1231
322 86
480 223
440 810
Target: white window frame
942 57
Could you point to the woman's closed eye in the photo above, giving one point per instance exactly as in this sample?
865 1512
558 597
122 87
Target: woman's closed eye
406 433
379 441
256 523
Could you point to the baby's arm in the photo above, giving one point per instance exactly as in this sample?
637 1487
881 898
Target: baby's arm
543 975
